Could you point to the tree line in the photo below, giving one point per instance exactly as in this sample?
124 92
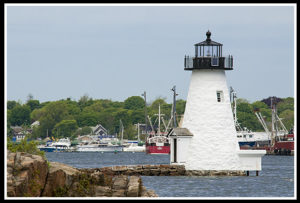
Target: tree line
69 118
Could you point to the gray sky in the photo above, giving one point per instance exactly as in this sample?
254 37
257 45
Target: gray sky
114 52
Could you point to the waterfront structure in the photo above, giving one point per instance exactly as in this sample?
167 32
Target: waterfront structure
207 139
99 130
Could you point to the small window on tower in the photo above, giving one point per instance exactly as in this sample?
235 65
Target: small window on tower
220 97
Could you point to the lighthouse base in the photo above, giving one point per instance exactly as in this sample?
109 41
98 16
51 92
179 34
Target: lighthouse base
214 173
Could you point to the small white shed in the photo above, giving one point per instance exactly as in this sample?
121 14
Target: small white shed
180 139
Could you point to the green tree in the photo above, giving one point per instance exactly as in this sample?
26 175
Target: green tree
25 146
11 104
36 114
130 132
249 121
87 119
85 101
106 118
259 105
180 106
134 102
64 128
244 107
20 115
137 116
86 130
33 104
122 114
284 104
52 113
287 118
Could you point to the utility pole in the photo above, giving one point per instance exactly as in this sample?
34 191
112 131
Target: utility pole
274 133
174 106
144 94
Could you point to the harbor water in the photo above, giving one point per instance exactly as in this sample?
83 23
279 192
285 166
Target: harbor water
275 180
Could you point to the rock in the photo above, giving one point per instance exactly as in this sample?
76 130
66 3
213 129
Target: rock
133 187
103 191
60 176
26 174
119 186
30 176
147 193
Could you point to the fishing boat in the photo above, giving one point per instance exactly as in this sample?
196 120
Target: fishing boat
246 138
282 139
284 145
157 142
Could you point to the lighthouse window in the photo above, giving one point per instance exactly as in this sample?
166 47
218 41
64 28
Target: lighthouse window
214 61
220 96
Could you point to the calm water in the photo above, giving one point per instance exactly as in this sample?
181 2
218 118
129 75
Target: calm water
275 180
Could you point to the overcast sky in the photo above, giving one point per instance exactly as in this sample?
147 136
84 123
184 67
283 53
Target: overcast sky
114 52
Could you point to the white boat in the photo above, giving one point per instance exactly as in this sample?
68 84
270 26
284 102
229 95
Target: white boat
246 138
63 144
97 146
134 148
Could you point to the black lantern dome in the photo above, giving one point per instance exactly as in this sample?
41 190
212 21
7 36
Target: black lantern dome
208 55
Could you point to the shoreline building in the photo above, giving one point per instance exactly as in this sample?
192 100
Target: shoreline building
207 139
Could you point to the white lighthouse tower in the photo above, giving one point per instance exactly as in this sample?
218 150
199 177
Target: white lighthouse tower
210 140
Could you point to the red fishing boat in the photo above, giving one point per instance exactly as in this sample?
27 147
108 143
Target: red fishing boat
157 142
284 145
281 140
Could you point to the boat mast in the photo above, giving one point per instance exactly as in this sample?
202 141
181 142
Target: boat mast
158 119
233 94
122 130
138 125
263 123
150 123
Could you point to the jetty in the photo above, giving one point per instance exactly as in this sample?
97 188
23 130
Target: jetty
161 170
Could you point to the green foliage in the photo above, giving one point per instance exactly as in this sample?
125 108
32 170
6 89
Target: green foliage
244 107
137 116
249 121
180 106
62 118
134 102
259 105
86 130
87 119
20 115
284 104
33 104
64 128
130 133
24 146
11 104
85 101
287 118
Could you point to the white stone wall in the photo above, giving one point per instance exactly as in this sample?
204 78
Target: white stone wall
214 144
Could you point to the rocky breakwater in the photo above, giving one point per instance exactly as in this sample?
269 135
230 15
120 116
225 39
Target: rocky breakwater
161 170
32 176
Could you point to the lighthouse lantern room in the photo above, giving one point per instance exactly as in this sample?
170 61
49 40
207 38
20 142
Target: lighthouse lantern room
208 55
